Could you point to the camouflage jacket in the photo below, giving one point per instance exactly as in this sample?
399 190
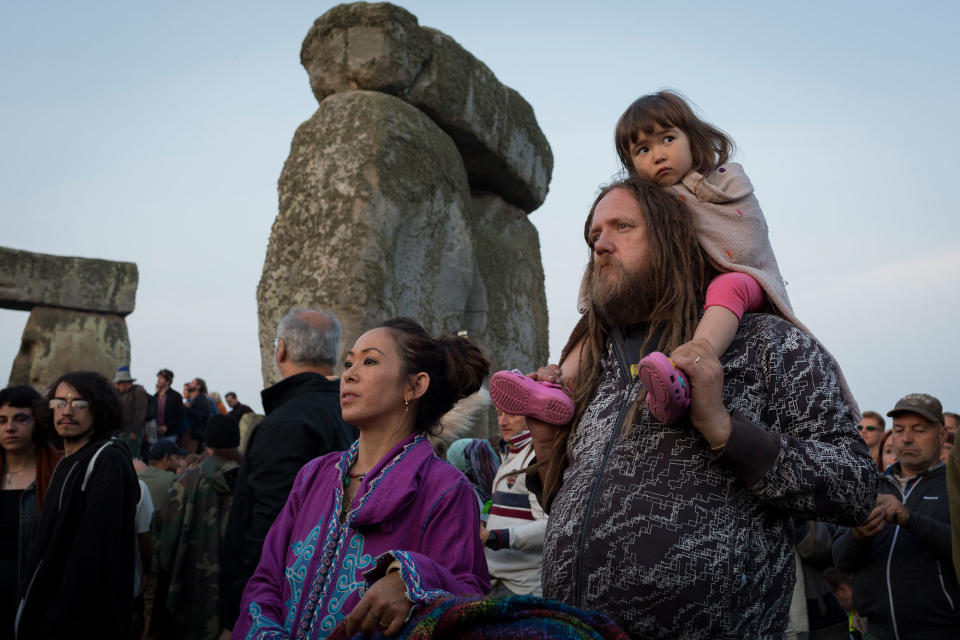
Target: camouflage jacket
187 530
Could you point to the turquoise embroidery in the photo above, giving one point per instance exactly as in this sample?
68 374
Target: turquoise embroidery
411 579
297 573
329 591
345 581
262 628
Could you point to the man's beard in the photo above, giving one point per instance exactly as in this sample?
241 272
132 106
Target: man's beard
77 437
624 299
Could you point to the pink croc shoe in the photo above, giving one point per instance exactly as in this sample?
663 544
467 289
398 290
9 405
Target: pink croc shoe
513 392
668 393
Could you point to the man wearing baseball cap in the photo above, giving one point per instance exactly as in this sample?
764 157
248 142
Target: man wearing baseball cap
900 557
165 461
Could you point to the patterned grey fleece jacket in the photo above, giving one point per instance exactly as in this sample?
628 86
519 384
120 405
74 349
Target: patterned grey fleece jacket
672 540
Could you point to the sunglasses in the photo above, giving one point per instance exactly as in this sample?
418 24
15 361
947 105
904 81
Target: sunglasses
868 427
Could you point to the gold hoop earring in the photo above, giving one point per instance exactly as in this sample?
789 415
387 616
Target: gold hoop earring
406 405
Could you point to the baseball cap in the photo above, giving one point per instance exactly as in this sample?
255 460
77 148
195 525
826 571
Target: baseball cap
165 448
921 404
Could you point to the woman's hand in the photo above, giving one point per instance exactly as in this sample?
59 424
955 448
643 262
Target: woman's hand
384 607
705 375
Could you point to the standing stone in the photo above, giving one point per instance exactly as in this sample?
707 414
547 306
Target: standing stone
407 192
507 308
30 279
56 341
372 222
382 47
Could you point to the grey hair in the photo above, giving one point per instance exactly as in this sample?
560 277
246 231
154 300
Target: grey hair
308 344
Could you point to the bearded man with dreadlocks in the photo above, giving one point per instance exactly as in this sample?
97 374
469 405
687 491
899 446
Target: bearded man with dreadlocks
683 530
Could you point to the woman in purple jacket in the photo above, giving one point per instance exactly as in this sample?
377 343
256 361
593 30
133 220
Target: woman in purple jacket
373 533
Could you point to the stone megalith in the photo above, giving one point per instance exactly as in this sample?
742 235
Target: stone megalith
58 340
37 279
507 307
77 308
372 222
383 48
406 193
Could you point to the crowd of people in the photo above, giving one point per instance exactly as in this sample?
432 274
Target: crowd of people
693 466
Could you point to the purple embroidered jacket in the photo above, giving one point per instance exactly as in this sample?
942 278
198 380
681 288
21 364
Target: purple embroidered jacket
411 506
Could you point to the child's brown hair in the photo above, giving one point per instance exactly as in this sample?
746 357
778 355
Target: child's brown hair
710 147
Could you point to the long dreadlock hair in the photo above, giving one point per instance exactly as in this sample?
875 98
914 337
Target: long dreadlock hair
679 274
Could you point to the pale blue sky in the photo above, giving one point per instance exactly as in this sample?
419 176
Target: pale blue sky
156 134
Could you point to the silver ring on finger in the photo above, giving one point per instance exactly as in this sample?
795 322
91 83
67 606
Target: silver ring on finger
697 360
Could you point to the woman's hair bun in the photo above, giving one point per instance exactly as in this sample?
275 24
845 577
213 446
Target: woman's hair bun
455 364
466 364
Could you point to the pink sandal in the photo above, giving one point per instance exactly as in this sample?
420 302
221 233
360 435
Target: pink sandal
514 393
668 393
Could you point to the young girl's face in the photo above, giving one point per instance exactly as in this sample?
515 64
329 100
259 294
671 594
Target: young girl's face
663 156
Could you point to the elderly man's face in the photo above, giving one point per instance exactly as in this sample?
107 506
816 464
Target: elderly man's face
918 441
619 279
619 235
510 425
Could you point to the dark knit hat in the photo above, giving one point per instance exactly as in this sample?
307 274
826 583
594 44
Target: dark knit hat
222 433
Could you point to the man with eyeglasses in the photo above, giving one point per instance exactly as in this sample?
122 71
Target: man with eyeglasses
871 429
82 569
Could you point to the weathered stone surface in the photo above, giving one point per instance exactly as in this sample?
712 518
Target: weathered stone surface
364 46
58 340
37 279
382 47
248 422
507 307
372 222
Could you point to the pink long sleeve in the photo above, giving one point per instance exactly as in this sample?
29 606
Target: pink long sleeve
735 291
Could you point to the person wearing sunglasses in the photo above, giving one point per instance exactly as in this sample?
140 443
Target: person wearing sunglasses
871 429
82 570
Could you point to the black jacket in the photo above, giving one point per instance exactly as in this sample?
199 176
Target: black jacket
303 422
172 412
239 410
81 585
908 566
199 413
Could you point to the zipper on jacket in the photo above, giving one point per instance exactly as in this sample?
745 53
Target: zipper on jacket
944 587
893 545
581 543
23 601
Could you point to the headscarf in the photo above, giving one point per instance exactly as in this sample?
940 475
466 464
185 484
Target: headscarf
478 461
